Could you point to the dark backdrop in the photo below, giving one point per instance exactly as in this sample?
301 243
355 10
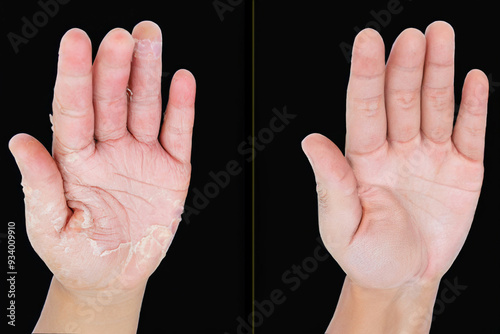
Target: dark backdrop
300 65
204 283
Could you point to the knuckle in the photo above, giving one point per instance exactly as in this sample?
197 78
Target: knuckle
75 108
473 106
109 101
370 106
322 197
439 134
474 132
407 100
146 97
439 99
179 130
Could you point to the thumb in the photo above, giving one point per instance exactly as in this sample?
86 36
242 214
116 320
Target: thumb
338 202
45 204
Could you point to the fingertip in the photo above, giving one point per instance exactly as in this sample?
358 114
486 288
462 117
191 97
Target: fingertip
31 156
318 143
183 88
440 27
326 158
114 52
440 38
368 35
478 73
75 33
120 38
368 54
480 80
312 141
186 78
14 141
75 53
413 32
147 30
475 91
19 146
412 40
306 145
368 42
184 75
74 37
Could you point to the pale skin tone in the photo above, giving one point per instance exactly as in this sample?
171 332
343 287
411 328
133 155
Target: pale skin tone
102 210
396 209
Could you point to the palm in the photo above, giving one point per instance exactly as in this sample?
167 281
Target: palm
398 207
128 198
104 209
430 193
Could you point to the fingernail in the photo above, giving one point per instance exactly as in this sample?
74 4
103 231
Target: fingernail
147 49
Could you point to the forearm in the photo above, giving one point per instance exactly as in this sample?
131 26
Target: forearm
85 312
403 311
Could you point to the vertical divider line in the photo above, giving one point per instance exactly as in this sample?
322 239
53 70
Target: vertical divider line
253 166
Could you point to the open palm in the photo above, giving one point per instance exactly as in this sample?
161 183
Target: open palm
103 210
398 207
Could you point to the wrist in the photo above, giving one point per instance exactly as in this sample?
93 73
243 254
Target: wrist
89 311
109 297
406 309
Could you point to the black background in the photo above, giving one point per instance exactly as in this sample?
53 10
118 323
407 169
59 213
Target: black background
299 64
204 283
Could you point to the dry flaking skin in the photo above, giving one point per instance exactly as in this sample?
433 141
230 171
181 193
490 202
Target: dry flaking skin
147 49
103 208
123 217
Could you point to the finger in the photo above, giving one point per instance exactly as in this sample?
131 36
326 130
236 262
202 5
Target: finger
111 72
437 85
177 128
144 114
365 119
46 209
73 117
339 206
403 80
470 128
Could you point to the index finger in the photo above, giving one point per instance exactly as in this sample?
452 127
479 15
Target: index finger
73 117
365 118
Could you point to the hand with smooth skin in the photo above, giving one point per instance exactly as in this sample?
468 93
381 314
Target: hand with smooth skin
396 210
102 211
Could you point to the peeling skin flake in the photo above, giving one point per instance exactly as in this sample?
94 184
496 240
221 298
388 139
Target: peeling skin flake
147 49
29 192
117 249
108 226
51 122
82 218
47 212
58 224
72 157
156 236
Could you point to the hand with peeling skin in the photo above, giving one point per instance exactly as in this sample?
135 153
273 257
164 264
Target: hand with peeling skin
103 209
396 210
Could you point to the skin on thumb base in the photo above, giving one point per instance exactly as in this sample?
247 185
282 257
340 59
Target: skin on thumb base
338 202
45 203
